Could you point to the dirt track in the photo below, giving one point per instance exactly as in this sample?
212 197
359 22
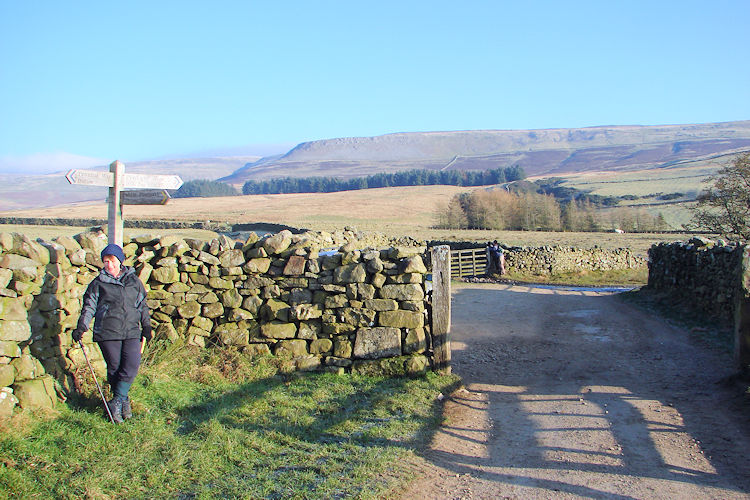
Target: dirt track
573 394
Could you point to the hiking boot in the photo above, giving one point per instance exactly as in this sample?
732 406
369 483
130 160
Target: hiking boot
127 411
115 408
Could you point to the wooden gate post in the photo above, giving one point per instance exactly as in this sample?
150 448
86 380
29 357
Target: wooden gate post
441 308
742 316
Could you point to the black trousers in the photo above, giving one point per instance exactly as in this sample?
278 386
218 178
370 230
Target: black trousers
123 359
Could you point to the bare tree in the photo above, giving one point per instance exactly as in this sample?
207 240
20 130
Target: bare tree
724 208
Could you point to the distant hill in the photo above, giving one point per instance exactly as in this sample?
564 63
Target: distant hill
539 152
35 191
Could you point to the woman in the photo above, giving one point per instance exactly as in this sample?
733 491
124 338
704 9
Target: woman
116 299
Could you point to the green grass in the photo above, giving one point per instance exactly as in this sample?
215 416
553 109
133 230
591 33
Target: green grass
625 277
217 424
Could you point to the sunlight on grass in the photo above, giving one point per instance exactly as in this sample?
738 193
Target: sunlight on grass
258 435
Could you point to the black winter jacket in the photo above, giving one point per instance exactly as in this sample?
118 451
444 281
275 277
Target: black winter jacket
118 306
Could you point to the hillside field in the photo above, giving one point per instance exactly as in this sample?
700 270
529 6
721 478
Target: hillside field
396 211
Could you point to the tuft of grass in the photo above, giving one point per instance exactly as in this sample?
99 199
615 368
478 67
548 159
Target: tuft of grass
220 424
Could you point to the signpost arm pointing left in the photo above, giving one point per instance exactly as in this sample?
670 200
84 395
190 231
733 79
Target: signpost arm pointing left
115 208
117 180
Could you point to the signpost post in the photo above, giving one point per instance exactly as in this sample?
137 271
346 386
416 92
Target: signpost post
117 180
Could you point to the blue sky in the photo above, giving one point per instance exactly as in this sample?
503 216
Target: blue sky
85 81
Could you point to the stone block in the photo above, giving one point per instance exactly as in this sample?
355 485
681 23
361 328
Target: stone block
342 347
356 317
252 304
194 331
178 287
213 310
402 292
378 280
5 276
278 242
202 323
379 342
381 304
231 299
257 266
304 312
232 258
220 284
415 341
256 253
337 328
401 319
321 346
295 266
278 330
208 298
23 245
257 350
16 331
166 331
165 275
300 296
13 261
95 241
8 402
189 309
352 273
388 367
291 348
209 259
7 375
236 315
416 365
307 363
33 394
309 330
231 334
275 310
336 301
413 264
13 309
27 274
336 361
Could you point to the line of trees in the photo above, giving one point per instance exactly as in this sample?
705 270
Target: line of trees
204 188
531 211
421 177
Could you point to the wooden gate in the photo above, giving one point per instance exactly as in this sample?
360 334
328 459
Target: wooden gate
469 262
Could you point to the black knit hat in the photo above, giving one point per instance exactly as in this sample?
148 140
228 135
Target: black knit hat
115 250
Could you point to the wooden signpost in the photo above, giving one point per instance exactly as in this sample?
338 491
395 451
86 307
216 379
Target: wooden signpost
150 191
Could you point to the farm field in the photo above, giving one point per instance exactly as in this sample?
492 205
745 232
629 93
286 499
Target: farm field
396 211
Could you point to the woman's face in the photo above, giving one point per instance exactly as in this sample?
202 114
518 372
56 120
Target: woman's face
111 265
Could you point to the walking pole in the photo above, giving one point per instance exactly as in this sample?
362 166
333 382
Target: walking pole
104 400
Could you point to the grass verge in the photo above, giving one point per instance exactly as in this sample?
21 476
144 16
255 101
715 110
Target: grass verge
219 424
625 277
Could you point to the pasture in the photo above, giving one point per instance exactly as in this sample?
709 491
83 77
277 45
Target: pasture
395 211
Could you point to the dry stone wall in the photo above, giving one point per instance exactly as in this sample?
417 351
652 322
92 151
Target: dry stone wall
557 259
702 274
358 308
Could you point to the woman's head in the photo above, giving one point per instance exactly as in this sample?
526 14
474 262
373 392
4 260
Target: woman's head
112 257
